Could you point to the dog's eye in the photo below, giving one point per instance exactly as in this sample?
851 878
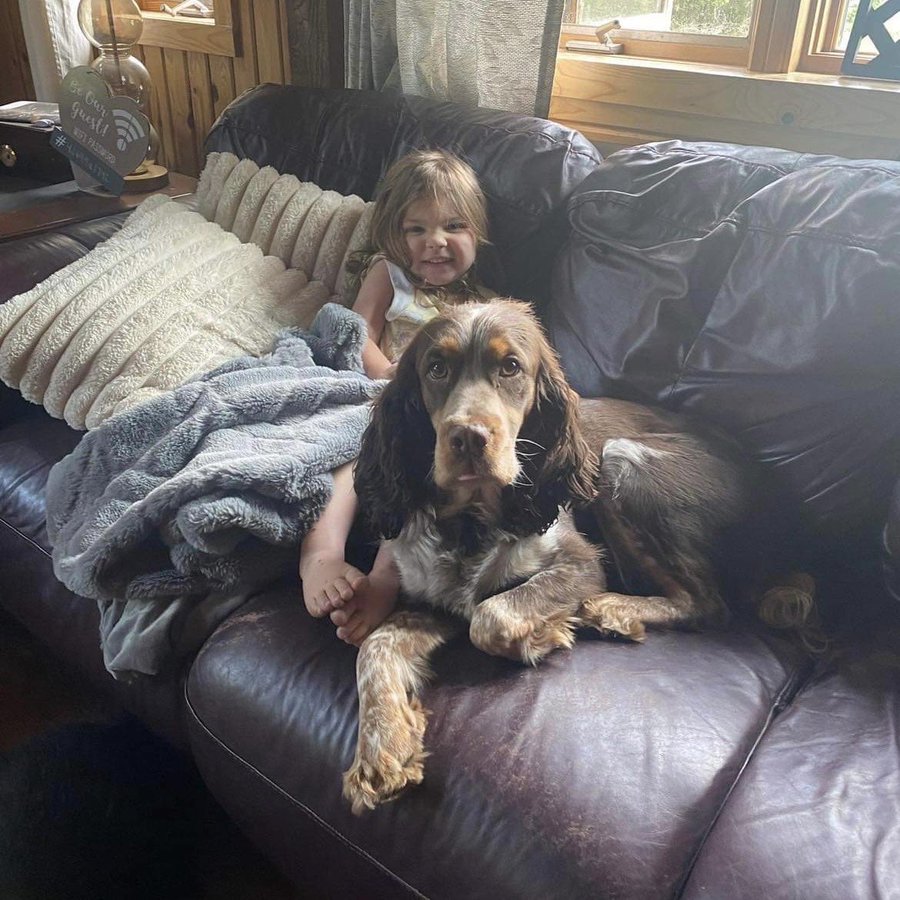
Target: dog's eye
437 369
510 366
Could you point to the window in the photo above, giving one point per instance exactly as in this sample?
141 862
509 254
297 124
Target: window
727 18
201 26
827 35
192 9
762 35
715 31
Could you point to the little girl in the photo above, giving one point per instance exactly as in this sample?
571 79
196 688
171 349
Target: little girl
429 220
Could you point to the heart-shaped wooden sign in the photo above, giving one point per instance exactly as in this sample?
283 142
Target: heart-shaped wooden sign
103 131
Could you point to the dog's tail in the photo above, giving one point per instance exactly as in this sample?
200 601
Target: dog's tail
790 604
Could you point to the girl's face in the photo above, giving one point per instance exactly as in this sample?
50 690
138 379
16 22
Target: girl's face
440 244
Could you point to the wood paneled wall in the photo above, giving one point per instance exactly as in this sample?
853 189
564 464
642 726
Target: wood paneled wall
15 72
190 87
619 101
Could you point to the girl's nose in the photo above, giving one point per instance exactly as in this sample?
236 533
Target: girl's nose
437 239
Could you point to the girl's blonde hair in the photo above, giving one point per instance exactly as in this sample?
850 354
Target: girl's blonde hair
432 175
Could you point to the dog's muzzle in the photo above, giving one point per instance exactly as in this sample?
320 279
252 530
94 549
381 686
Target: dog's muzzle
468 442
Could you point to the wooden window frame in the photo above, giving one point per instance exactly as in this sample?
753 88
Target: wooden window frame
822 34
700 48
785 36
213 37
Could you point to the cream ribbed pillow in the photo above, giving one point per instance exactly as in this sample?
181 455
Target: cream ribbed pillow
305 227
168 296
178 291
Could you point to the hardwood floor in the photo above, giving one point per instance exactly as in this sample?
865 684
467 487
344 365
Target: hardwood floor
38 694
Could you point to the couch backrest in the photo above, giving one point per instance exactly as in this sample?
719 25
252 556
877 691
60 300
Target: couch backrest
757 288
344 140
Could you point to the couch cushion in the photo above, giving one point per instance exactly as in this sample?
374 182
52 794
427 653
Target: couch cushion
344 140
603 766
653 234
757 289
817 814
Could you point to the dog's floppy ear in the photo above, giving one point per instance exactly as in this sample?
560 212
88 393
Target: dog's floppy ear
393 471
558 466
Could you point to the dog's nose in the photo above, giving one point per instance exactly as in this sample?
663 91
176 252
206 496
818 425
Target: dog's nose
468 440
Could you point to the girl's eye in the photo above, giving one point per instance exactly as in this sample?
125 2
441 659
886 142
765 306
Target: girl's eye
510 366
457 226
437 369
413 229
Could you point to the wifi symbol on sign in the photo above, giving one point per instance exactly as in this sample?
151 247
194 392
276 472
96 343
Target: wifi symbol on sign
128 128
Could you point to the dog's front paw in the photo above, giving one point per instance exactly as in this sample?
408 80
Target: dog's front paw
613 614
497 629
389 755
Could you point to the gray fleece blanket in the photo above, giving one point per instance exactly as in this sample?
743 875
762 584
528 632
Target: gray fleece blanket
171 513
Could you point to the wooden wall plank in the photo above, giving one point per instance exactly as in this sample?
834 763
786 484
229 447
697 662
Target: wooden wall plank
268 41
246 73
316 41
159 105
184 148
201 100
808 113
221 80
633 125
285 41
16 82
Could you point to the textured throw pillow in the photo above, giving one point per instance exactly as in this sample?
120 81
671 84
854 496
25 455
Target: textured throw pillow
307 228
167 296
178 291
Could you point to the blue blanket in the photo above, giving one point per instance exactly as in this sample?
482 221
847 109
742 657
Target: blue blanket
171 513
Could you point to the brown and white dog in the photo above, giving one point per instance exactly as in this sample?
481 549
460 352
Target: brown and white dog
473 452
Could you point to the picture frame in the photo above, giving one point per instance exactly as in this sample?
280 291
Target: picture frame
871 22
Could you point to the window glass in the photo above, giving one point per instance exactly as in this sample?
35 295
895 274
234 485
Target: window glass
729 18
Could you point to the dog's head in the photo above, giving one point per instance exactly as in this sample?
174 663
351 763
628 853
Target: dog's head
478 417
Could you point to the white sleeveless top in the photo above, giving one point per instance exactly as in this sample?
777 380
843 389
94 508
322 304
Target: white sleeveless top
410 309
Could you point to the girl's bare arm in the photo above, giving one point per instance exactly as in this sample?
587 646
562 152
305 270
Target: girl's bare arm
372 303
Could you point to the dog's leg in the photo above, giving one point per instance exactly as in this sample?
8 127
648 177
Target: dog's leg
658 535
391 667
689 601
531 619
629 616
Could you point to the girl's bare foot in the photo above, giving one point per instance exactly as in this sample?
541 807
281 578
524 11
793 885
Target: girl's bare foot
372 602
328 583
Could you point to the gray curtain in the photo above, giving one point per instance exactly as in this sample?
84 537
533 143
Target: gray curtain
54 43
493 53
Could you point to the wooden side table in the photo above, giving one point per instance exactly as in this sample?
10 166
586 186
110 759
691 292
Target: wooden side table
24 213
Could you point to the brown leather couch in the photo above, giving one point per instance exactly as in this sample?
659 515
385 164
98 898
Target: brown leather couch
757 288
